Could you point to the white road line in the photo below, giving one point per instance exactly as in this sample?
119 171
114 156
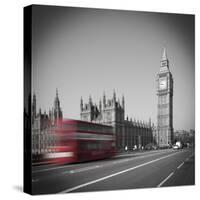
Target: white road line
53 168
153 152
159 185
81 170
115 174
148 155
121 161
180 165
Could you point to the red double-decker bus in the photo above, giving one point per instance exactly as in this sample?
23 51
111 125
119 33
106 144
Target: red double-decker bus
79 141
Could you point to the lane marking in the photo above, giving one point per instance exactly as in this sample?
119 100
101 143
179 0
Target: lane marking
81 170
53 168
180 165
159 185
115 174
120 161
144 153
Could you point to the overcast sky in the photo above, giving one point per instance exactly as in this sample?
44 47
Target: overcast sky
85 52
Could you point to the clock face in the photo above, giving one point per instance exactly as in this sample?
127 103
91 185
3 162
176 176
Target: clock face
163 84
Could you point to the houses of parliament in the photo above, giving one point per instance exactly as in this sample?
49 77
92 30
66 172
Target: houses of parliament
130 134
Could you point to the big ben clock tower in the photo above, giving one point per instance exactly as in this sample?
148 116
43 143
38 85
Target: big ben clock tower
165 103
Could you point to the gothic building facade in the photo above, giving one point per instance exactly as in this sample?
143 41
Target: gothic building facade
43 126
165 103
129 133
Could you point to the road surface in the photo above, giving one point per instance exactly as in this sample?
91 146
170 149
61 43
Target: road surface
159 168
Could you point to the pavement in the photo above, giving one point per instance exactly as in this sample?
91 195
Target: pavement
149 169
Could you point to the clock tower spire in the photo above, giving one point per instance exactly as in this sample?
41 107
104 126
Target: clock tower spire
165 102
164 54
